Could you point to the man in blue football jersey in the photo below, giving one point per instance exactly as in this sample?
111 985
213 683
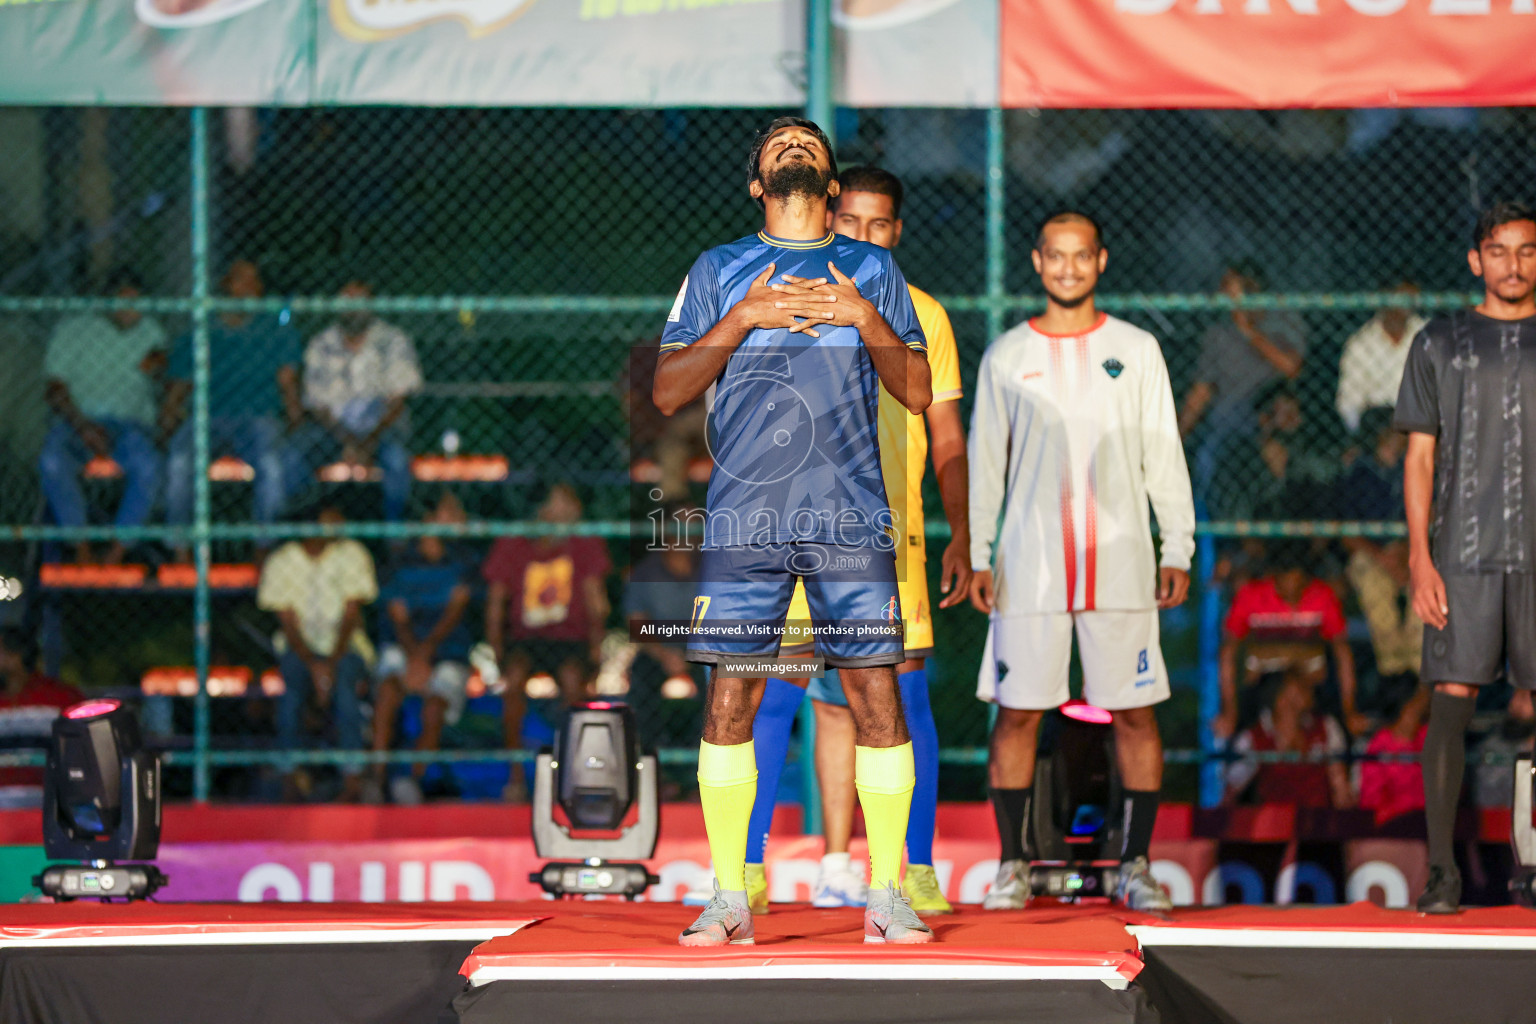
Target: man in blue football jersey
790 333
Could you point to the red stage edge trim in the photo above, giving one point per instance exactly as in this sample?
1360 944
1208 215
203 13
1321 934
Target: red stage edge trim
262 933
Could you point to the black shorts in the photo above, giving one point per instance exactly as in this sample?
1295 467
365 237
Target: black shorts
1491 625
551 655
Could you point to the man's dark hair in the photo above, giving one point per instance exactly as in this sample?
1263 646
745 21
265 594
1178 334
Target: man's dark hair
1273 393
1374 423
123 277
1069 217
19 641
1496 216
755 159
878 180
1250 271
1286 554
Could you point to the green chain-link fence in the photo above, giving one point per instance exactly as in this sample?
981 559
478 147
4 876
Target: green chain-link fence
510 271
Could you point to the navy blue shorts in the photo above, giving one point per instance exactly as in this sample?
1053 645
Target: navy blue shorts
744 594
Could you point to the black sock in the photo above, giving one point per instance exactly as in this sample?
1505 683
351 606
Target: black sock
1140 816
1012 807
1444 762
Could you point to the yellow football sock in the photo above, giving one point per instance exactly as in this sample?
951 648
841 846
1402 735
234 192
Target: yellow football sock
727 789
885 777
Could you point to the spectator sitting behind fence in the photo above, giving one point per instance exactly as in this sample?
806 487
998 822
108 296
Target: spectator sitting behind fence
357 375
1382 583
1290 725
1372 487
1273 474
253 400
1371 367
661 589
317 588
426 642
1393 789
100 371
29 702
671 443
1283 621
545 608
1240 355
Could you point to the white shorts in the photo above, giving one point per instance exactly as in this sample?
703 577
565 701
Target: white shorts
1027 657
450 679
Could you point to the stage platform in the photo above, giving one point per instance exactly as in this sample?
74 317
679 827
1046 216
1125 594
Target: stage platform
1279 965
591 961
295 963
545 962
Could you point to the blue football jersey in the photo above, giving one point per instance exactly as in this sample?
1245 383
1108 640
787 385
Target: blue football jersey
793 419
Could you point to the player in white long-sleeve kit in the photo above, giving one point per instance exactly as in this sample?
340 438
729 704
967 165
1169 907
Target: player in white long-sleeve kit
1073 434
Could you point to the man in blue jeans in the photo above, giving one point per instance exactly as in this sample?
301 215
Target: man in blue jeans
317 588
253 399
358 374
99 371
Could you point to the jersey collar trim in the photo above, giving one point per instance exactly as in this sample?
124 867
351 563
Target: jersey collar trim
1071 334
787 243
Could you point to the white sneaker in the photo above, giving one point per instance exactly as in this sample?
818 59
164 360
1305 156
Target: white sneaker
1011 890
405 791
844 888
698 897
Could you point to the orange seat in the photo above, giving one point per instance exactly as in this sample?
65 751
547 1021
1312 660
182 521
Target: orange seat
349 473
221 576
93 577
461 468
223 681
228 469
102 467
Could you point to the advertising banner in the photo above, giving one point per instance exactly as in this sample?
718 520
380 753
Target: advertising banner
751 53
155 52
1267 53
1195 871
560 53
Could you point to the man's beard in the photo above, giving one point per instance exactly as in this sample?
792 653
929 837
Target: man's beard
801 178
1070 303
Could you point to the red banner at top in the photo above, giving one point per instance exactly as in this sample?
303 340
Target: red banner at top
1268 53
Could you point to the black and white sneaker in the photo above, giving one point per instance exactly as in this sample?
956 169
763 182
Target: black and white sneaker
1443 893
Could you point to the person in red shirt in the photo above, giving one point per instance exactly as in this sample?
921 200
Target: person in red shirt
1285 619
1289 725
29 702
545 608
1396 788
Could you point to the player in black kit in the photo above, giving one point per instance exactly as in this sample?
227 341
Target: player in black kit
1468 404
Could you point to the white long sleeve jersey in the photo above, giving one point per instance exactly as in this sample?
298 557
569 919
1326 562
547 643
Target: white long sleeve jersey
1071 437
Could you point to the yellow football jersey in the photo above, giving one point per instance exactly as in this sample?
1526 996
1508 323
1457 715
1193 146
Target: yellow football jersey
903 458
904 437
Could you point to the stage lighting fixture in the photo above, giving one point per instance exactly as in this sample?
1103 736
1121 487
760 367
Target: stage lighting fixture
1076 824
596 774
101 804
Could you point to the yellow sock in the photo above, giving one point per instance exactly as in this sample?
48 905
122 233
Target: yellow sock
885 777
727 789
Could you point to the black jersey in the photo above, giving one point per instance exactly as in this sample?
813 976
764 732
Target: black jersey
1471 383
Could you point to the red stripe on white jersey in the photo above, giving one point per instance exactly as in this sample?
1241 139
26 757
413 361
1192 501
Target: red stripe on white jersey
1068 533
1068 536
1091 557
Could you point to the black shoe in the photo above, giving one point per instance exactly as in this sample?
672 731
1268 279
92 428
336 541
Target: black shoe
1443 893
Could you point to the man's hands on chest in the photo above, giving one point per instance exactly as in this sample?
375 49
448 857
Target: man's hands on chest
801 304
792 303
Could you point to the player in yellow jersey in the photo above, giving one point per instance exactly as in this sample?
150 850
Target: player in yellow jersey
869 209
